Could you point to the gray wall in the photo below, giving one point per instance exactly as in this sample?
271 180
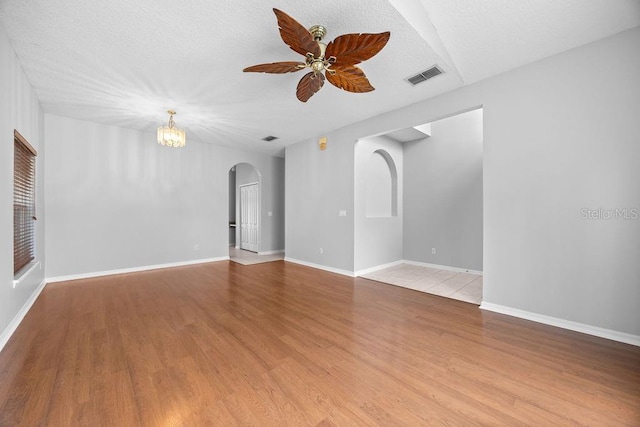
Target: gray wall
273 236
116 199
19 109
443 194
232 206
246 174
378 240
560 135
318 185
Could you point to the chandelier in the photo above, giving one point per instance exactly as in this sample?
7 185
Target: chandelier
171 135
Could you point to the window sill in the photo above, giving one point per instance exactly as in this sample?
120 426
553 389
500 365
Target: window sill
22 274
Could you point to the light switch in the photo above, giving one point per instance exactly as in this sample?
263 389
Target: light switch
270 213
342 213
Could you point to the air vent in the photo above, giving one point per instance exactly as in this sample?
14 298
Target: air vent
269 138
425 75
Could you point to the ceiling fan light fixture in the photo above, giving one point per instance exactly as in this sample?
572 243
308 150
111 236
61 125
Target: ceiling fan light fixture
171 135
335 62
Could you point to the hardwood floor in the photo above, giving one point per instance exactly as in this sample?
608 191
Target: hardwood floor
282 344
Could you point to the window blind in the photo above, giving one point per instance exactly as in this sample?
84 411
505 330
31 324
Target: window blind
24 212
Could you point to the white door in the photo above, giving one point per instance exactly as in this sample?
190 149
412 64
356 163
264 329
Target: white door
249 217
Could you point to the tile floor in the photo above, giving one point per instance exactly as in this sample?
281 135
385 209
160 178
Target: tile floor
461 286
247 258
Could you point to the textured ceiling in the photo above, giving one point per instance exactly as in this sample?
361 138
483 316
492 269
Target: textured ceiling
126 63
485 38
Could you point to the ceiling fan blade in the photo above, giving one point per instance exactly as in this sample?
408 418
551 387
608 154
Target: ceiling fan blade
351 49
276 67
309 85
349 78
295 35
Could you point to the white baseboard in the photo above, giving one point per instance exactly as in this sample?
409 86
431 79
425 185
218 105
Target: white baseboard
15 322
442 267
279 251
320 267
377 267
132 270
565 324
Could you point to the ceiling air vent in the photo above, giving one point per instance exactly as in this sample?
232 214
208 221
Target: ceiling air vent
269 138
424 75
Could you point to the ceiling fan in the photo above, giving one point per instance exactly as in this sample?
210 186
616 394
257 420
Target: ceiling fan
337 60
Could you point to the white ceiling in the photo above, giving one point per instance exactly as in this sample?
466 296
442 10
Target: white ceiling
126 63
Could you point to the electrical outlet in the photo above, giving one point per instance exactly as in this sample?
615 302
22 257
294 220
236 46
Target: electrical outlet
321 251
433 251
196 248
